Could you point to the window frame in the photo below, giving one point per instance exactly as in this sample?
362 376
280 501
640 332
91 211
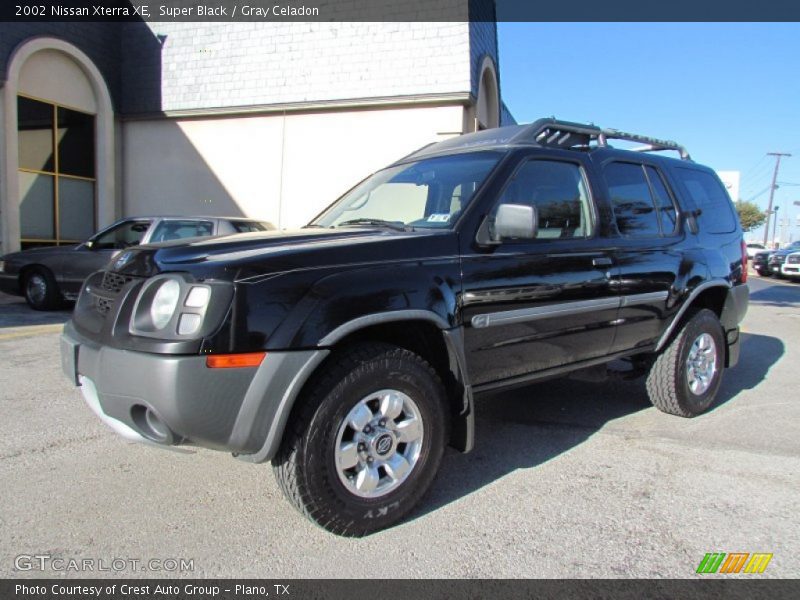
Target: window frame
56 174
594 215
670 195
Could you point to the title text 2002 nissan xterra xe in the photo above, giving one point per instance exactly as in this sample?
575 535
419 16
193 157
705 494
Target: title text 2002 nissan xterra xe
348 352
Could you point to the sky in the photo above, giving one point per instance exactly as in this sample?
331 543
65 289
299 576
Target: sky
729 92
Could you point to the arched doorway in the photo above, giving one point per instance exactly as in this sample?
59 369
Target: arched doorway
57 167
488 105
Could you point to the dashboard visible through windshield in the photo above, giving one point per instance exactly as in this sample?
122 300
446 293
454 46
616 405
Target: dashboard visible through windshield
428 193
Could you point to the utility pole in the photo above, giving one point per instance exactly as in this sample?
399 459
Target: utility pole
773 187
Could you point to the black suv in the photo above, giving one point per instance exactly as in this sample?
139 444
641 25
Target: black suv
349 352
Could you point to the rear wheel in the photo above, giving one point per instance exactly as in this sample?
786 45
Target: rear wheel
41 290
686 375
367 441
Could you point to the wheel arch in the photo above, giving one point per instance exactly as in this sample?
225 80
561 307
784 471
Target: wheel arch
419 331
427 334
28 268
711 294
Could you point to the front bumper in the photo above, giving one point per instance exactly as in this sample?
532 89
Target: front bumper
790 269
9 283
171 400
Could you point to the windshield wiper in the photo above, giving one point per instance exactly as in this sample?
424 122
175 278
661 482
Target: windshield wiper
399 226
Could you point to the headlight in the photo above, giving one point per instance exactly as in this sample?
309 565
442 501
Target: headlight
171 307
164 303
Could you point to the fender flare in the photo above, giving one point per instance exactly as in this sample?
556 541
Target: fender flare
662 341
463 430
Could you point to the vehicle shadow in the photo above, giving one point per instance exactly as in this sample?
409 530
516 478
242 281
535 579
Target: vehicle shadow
14 312
759 354
776 295
527 427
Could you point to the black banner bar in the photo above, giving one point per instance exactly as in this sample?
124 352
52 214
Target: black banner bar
728 588
396 10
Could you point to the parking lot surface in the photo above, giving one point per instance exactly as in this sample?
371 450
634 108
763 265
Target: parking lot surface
568 479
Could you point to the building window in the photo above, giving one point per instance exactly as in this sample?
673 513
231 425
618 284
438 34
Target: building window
56 173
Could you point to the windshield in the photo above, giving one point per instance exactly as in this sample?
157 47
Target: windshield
427 193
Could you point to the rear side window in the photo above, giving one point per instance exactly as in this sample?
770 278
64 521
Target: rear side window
634 208
250 226
717 212
178 230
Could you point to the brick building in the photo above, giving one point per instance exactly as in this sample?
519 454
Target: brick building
270 120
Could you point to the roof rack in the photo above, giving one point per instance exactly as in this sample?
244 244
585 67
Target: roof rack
566 134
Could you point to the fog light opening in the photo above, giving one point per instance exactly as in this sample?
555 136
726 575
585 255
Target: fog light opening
151 425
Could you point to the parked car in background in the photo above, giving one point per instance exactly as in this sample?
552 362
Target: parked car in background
753 248
760 262
49 275
791 266
777 258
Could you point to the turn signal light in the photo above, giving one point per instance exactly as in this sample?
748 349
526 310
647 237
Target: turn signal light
234 361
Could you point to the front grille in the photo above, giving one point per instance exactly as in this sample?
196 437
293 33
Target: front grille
114 282
103 294
103 305
777 259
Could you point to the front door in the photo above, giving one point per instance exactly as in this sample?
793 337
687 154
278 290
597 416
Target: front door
530 305
95 254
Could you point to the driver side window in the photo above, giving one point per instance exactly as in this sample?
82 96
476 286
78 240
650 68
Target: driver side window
129 233
560 195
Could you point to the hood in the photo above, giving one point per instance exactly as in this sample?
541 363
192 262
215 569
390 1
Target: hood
258 253
32 253
785 251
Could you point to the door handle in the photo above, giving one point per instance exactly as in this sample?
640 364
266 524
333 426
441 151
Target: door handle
602 261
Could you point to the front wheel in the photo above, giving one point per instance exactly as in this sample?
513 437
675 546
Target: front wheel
41 290
686 375
366 442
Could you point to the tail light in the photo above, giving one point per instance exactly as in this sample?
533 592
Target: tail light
744 262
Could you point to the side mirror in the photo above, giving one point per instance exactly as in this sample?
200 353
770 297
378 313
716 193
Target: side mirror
88 244
518 221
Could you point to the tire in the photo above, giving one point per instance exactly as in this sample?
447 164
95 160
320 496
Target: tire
669 385
41 290
319 481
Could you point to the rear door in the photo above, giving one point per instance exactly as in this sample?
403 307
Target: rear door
650 251
530 305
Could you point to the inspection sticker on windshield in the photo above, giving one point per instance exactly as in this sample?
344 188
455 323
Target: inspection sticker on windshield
439 218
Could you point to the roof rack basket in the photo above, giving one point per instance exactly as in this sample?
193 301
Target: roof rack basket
565 134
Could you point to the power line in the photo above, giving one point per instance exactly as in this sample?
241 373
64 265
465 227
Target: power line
773 187
754 196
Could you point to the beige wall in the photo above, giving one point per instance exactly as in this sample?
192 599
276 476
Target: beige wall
281 168
52 75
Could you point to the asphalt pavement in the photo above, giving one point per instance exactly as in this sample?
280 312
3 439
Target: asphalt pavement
568 479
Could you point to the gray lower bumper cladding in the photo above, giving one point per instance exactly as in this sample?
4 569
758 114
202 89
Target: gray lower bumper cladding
173 400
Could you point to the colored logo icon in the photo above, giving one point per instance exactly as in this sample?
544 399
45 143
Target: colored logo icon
734 562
